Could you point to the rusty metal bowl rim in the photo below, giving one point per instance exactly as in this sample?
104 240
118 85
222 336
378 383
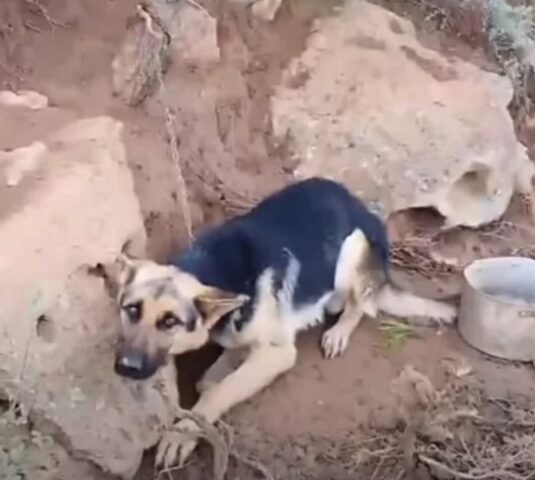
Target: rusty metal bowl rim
469 271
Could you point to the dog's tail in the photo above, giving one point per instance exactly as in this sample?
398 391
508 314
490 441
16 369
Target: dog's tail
394 301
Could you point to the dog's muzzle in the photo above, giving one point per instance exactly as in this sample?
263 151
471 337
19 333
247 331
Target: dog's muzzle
134 364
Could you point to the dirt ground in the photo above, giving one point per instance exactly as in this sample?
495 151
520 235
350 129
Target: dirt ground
303 425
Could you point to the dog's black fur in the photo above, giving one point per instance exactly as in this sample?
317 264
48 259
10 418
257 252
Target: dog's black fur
309 220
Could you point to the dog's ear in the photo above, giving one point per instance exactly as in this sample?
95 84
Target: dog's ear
214 303
126 267
123 269
120 272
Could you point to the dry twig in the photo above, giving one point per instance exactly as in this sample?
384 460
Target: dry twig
212 435
498 474
52 22
221 439
169 125
414 253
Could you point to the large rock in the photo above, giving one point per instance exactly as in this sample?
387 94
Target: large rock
71 208
400 124
188 31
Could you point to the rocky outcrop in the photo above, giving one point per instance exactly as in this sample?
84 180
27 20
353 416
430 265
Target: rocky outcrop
71 207
400 124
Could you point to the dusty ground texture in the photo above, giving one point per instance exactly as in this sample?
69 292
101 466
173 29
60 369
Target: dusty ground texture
336 419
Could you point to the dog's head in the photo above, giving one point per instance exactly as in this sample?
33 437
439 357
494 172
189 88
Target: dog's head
164 311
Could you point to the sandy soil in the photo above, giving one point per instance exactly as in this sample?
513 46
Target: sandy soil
300 426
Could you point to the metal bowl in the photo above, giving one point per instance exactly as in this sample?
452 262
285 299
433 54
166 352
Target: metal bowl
497 312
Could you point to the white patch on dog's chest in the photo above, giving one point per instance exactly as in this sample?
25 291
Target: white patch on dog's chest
303 317
307 316
275 319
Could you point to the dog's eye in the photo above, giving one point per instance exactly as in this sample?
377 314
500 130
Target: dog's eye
168 320
133 310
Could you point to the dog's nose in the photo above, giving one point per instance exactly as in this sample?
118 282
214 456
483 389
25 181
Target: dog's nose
130 363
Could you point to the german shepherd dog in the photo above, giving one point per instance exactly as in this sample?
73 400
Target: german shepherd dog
309 252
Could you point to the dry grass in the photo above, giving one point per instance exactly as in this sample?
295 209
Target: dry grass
415 253
511 33
456 432
24 452
396 333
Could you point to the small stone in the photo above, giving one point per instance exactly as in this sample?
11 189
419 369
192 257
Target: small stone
23 98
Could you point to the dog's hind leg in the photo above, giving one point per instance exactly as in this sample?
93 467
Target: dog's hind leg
355 252
334 341
260 368
349 293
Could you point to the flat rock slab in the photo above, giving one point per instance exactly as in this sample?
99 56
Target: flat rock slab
400 124
71 207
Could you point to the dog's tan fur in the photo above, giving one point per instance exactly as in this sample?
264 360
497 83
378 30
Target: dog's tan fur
139 280
267 340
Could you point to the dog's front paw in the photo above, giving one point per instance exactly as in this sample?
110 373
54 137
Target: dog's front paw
334 341
177 444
